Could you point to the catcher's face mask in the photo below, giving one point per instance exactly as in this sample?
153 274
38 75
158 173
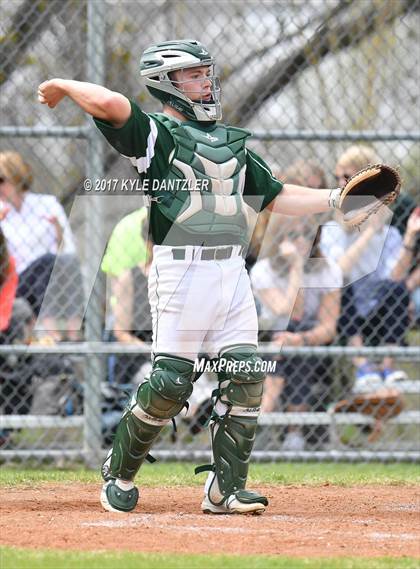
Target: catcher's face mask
198 84
181 74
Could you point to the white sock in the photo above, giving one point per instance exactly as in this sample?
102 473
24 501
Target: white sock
125 485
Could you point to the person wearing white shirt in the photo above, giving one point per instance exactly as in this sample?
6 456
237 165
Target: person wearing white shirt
39 239
374 306
299 299
36 225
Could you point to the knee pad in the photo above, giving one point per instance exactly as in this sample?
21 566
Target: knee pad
165 392
241 381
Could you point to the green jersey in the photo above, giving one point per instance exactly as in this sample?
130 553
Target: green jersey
167 152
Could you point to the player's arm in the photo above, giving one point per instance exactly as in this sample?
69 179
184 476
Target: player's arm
299 200
95 100
286 199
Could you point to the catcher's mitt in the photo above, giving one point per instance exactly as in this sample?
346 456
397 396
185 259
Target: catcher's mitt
367 191
380 405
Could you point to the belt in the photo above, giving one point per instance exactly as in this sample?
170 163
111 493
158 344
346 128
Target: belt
209 253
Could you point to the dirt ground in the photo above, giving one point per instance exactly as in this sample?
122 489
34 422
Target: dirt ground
300 521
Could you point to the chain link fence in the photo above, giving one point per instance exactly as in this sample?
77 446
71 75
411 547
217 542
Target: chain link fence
326 88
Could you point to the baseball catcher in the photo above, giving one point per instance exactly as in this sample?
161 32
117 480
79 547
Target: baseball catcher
199 178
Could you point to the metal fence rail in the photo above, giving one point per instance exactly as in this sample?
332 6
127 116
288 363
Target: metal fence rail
269 423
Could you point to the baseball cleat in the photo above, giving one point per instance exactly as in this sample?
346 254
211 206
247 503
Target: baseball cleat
242 502
114 499
105 468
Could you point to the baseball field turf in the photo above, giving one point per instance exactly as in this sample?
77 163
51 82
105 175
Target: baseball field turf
298 494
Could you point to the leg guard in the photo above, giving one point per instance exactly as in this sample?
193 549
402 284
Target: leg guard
160 398
233 433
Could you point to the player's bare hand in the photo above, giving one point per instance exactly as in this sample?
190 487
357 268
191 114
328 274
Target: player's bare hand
51 92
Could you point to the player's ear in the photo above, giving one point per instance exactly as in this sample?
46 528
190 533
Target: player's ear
174 76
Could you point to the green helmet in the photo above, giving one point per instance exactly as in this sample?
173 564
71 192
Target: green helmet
159 60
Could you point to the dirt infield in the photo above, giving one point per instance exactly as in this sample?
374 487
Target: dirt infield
301 521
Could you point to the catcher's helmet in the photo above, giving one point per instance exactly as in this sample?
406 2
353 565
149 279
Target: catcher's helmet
159 60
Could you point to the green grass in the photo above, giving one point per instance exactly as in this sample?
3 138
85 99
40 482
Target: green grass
11 558
182 474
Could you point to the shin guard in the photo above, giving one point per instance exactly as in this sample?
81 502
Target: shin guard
233 429
160 398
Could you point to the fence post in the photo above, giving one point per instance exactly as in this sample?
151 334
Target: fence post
95 72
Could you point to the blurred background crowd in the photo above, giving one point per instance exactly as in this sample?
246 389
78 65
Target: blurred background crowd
316 283
326 87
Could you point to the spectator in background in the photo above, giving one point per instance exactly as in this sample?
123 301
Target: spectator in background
401 209
301 172
15 313
15 323
8 277
407 267
38 235
127 245
374 307
299 296
132 317
307 171
127 260
16 371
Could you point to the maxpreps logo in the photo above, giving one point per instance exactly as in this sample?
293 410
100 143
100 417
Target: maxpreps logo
222 365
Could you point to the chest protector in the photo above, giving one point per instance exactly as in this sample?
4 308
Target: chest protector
204 185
